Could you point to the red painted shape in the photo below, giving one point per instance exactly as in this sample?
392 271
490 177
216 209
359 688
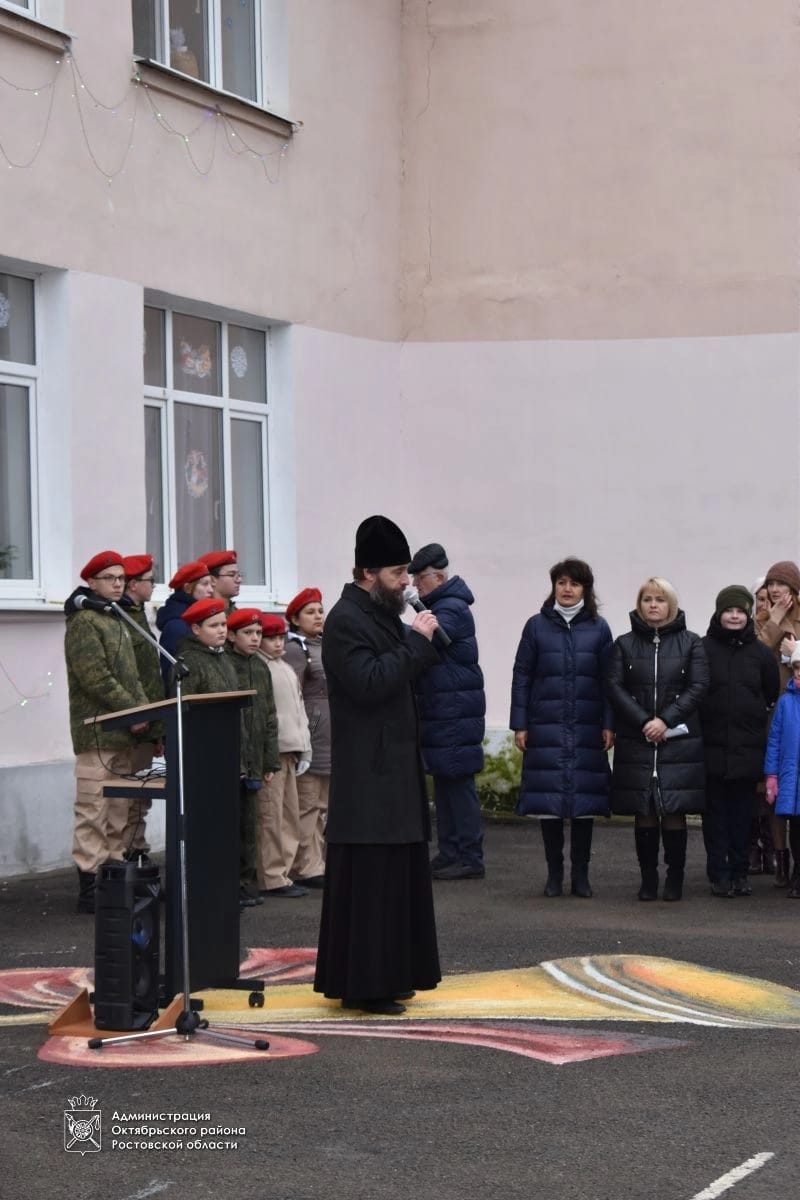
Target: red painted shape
555 1046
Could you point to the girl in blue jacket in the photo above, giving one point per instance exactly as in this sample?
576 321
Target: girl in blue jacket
782 766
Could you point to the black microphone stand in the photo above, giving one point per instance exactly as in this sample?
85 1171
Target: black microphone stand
189 1024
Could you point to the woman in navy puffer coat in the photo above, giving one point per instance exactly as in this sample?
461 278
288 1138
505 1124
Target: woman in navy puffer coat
562 722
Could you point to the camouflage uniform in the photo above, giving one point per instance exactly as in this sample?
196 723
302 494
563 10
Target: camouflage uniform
260 755
101 677
210 669
151 679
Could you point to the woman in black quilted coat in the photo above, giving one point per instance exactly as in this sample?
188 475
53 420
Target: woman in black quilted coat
657 677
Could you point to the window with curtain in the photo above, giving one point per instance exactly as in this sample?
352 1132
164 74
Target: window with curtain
218 41
206 449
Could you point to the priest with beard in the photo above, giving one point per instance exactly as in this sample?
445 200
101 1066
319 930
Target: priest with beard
377 941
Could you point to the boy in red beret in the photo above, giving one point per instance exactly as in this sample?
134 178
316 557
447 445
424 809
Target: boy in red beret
225 574
139 583
260 758
306 617
190 582
102 677
277 812
203 649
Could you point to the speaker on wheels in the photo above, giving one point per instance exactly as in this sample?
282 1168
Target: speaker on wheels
126 946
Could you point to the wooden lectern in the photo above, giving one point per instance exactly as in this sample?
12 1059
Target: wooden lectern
211 771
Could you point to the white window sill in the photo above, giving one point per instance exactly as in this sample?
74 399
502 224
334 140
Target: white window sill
53 608
168 81
28 29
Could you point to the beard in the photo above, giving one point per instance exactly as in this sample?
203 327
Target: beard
387 599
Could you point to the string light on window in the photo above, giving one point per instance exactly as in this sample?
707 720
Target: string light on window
128 105
25 699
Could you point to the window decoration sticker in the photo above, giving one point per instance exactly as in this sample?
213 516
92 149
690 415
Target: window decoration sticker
195 471
196 362
5 310
239 361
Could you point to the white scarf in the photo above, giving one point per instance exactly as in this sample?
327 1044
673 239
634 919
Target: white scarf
568 613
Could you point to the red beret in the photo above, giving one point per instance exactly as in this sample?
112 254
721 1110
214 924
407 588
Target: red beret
187 573
137 564
219 558
106 558
240 617
272 624
307 596
201 610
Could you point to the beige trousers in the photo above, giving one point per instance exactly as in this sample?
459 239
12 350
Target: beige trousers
277 826
312 796
100 824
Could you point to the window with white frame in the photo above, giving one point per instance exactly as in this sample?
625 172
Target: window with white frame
206 442
228 44
18 380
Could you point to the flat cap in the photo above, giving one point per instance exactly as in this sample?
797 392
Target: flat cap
432 555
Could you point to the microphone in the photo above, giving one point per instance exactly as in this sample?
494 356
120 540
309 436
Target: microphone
92 602
411 596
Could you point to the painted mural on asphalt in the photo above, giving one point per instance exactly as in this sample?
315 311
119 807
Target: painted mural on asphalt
543 1012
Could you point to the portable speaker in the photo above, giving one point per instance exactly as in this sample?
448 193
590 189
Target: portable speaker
126 946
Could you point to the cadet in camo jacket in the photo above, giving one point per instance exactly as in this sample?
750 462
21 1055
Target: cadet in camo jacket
102 677
139 583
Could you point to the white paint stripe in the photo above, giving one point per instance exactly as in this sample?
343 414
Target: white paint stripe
151 1189
682 1009
738 1173
618 1002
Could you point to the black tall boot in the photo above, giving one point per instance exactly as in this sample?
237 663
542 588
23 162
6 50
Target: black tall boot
675 857
86 888
647 844
580 851
553 838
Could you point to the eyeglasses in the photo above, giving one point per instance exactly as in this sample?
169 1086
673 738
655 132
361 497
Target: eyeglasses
230 575
147 579
111 578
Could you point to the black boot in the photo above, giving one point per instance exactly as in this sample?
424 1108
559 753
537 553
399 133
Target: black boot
675 858
782 868
553 838
86 888
647 843
580 851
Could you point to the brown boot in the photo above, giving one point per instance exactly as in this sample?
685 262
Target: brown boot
782 869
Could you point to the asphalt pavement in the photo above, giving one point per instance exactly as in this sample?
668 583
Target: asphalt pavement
559 1084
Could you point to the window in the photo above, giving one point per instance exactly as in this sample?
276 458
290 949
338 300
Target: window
220 42
18 379
206 441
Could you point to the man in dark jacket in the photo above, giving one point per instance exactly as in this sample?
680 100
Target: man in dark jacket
452 708
377 940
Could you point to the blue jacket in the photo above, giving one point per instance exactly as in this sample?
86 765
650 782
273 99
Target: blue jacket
557 696
783 752
450 696
172 628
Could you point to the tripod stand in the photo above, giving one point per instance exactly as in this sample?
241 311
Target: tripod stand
188 1024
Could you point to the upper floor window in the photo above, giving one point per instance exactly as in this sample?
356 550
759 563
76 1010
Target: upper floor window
221 42
18 379
206 448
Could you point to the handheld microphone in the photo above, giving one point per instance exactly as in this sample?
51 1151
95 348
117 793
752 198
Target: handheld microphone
412 597
94 603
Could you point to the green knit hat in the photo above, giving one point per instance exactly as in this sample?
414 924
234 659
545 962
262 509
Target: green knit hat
735 596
